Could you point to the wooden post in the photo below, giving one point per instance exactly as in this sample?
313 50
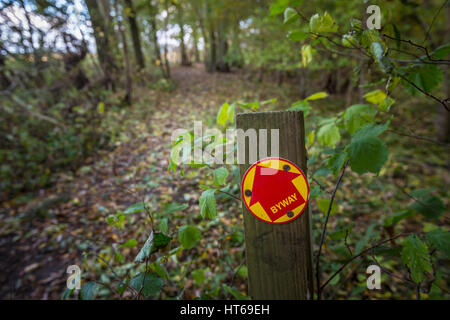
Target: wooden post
279 256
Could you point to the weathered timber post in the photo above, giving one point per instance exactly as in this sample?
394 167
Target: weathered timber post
279 256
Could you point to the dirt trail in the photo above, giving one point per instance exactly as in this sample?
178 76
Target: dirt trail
36 248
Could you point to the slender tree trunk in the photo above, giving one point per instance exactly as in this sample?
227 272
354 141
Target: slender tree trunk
129 85
195 43
184 58
153 10
443 114
105 9
222 46
135 36
102 41
166 23
236 52
212 40
4 80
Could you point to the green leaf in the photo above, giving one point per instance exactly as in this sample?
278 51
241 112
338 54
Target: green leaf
429 205
231 112
425 76
349 40
377 50
336 162
278 7
440 240
328 135
415 257
154 242
67 294
189 236
356 24
370 130
367 155
222 116
235 293
322 23
290 15
370 36
356 116
199 276
375 97
88 291
306 55
315 192
310 139
237 237
163 225
161 240
135 208
101 107
317 95
324 204
341 233
220 176
440 52
208 207
335 280
322 172
302 106
174 207
160 270
369 235
146 250
396 217
130 243
150 284
386 104
297 35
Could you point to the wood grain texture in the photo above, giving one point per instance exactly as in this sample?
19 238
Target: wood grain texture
279 257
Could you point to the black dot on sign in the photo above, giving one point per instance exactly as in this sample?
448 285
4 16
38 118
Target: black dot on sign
286 167
290 214
248 193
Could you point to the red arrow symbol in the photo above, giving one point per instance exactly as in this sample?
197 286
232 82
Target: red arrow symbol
274 190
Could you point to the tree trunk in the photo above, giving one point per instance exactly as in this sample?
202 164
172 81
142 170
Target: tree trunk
195 43
135 36
222 46
166 23
443 114
184 58
154 37
102 41
212 39
129 84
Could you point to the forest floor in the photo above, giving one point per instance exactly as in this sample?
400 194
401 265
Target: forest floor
39 240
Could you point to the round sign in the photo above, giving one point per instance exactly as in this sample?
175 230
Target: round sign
275 190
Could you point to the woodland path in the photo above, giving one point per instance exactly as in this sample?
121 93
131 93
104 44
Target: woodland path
37 248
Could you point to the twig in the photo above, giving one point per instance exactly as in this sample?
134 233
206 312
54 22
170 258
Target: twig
443 102
361 254
143 280
411 43
236 272
414 136
229 194
415 199
434 19
324 230
346 243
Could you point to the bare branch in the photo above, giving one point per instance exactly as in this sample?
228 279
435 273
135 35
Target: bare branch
324 230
